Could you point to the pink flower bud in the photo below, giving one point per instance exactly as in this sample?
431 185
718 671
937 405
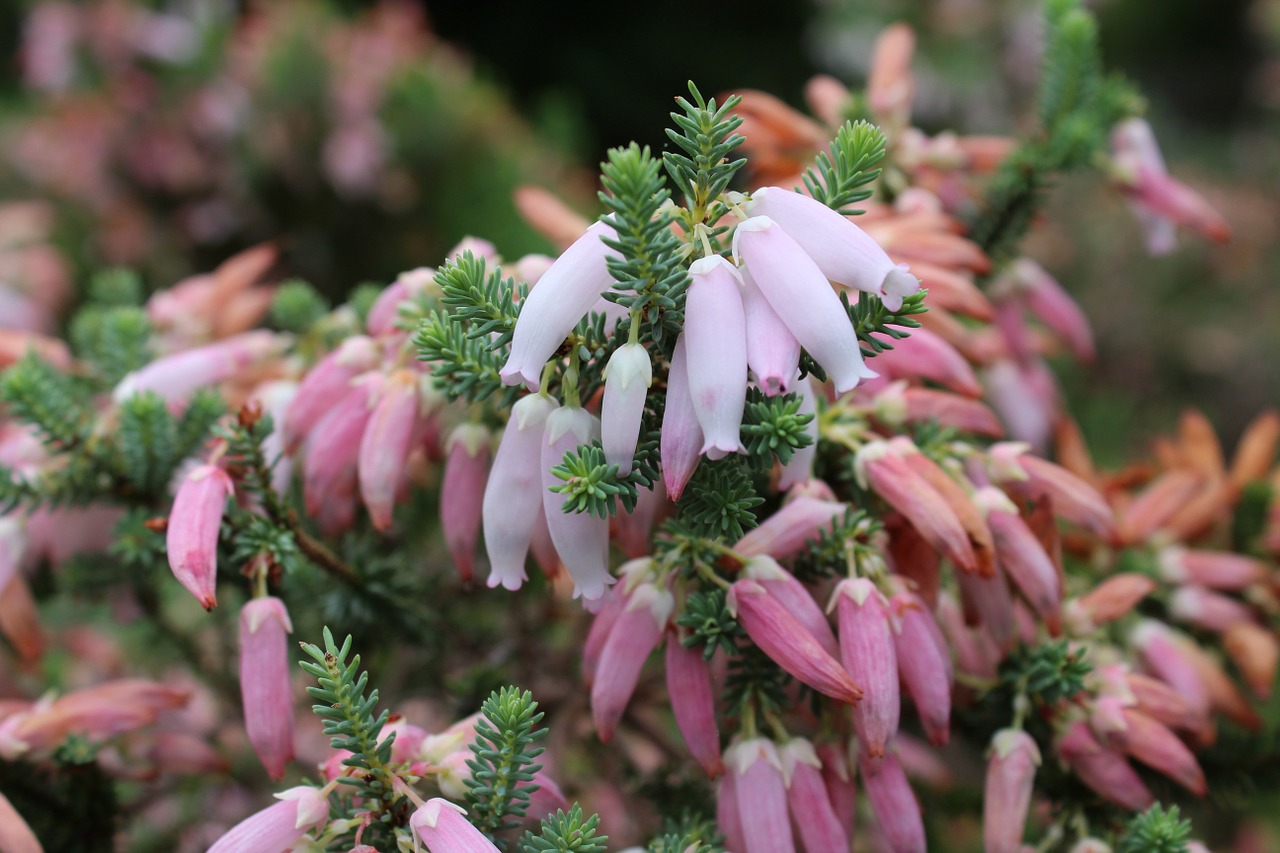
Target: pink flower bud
1022 557
601 627
785 533
1011 774
513 494
627 378
792 595
1054 307
1108 601
976 653
693 703
969 515
988 603
277 827
1255 651
1155 746
1011 467
802 298
925 355
1163 703
1211 611
894 803
326 384
1164 654
15 835
812 812
844 253
1103 771
264 681
784 639
441 826
716 348
385 310
192 535
1025 395
728 818
635 635
681 440
867 649
773 353
462 495
175 377
581 539
924 663
564 295
329 468
1214 569
919 405
762 796
385 444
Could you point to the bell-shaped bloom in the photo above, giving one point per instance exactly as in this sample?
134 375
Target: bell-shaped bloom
762 796
581 539
1102 770
728 820
385 445
925 355
792 595
563 296
278 827
1150 742
1166 655
989 603
785 533
786 641
333 450
681 441
192 536
15 835
1208 610
635 634
1011 774
693 704
443 827
802 298
838 779
960 502
924 663
1255 651
814 816
920 405
326 384
1022 557
1213 569
773 353
893 802
627 378
265 667
1013 468
867 649
601 626
843 252
1054 307
462 494
1161 702
175 377
513 495
715 339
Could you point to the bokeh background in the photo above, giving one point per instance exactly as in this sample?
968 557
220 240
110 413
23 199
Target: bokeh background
367 138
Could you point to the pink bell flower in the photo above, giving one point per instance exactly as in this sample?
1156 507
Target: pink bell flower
762 796
264 681
867 649
329 467
919 405
925 355
728 818
989 603
385 444
513 495
385 310
1013 468
1214 569
278 827
581 539
681 441
693 704
715 338
1022 556
792 595
1107 602
802 298
773 353
894 804
1011 773
627 378
1150 742
175 377
1054 307
443 828
563 296
326 384
601 627
812 813
1102 770
924 664
192 536
635 634
843 252
786 641
462 494
1208 610
785 533
1165 655
15 835
838 779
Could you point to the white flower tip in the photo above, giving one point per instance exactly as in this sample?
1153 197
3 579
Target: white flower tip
756 223
703 266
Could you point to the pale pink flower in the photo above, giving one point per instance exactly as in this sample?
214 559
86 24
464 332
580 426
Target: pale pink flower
785 533
326 384
1104 771
333 449
989 603
265 667
627 378
513 494
924 663
1108 601
716 351
612 604
1214 569
728 818
845 253
812 813
1165 655
800 295
762 796
893 802
1011 772
385 444
838 779
1150 742
799 469
1022 557
693 704
385 310
192 536
681 440
277 827
1208 610
175 377
565 293
925 355
581 539
1010 466
773 353
443 828
867 649
1054 307
635 634
462 494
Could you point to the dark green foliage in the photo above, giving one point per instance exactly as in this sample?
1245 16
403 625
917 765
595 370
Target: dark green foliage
148 438
720 499
711 625
1047 674
774 427
870 317
72 807
114 341
692 833
1156 830
755 684
590 484
202 412
839 179
1250 517
115 287
483 302
466 367
39 395
650 274
297 306
849 537
566 833
502 769
706 136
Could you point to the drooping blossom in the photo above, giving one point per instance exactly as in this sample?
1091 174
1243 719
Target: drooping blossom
265 667
192 535
462 494
636 632
681 439
627 378
280 826
867 649
443 827
513 494
716 353
581 539
1011 771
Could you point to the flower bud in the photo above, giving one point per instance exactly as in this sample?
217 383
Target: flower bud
277 827
681 440
867 649
715 337
693 703
191 538
581 539
762 796
627 378
635 634
513 495
812 812
441 826
462 495
894 804
385 444
264 682
1011 773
